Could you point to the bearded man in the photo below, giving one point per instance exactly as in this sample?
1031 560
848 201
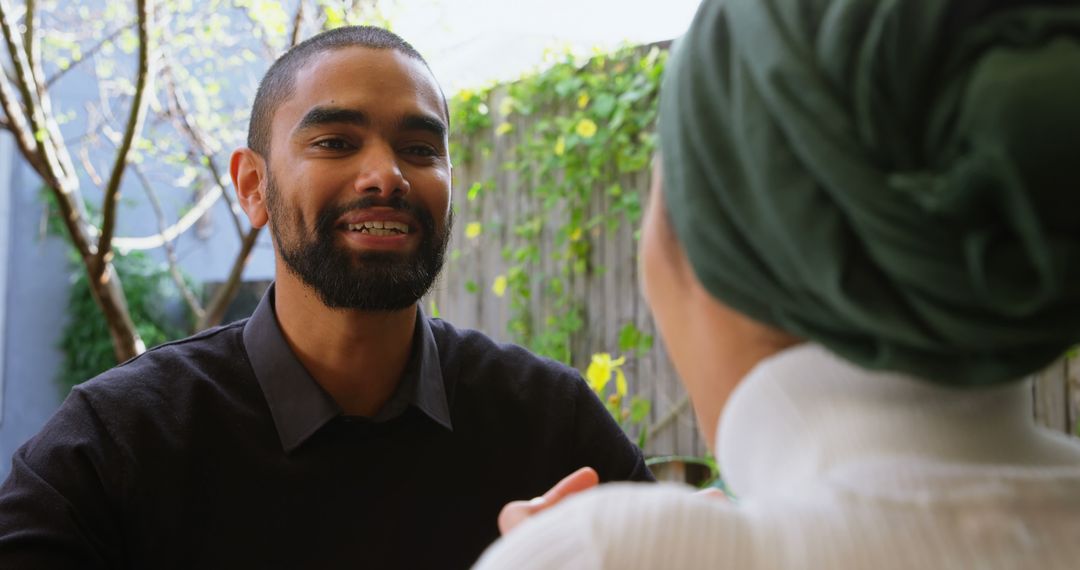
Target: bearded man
338 426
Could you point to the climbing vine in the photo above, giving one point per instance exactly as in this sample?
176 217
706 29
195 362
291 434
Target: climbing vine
575 129
566 134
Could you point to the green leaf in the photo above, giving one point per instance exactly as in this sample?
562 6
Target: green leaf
628 337
639 409
128 41
603 105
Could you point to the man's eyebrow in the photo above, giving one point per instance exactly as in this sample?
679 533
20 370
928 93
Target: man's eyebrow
319 116
423 123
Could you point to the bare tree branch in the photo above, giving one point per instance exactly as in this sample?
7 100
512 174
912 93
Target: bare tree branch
16 123
34 139
170 251
28 34
298 22
37 74
88 53
215 309
134 124
186 124
172 232
34 111
88 166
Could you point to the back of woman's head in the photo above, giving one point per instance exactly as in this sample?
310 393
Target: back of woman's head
897 180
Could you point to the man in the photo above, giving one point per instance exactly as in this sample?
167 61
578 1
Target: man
338 426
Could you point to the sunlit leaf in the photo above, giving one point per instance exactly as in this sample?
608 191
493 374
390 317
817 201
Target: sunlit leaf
473 230
499 286
639 409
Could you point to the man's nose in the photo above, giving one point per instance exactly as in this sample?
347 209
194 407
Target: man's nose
380 172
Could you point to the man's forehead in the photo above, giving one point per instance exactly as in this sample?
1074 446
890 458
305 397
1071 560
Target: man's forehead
360 73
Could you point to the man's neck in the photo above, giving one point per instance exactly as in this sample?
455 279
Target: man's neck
358 357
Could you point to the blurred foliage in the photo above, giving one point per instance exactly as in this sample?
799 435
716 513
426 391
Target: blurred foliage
569 131
575 129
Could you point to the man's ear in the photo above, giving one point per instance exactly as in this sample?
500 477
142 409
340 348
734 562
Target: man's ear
249 176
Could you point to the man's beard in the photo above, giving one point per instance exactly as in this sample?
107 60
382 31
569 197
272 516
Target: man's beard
366 281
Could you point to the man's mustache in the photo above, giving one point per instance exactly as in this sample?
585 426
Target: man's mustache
328 218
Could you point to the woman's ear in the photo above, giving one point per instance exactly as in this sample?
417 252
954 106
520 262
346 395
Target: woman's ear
249 176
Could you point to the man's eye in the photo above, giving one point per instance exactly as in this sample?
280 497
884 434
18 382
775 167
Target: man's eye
421 150
333 144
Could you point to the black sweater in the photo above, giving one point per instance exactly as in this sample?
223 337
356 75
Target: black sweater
173 460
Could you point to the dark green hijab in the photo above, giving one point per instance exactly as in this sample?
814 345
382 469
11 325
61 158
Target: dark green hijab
898 180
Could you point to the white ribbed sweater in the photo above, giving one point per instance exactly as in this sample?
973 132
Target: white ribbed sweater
838 467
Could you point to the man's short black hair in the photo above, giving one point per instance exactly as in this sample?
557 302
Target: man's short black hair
280 80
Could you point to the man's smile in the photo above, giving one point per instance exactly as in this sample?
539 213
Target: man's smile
379 228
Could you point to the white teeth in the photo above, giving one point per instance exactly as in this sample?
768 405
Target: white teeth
380 227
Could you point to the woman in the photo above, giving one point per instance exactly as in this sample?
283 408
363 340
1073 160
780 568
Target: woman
867 232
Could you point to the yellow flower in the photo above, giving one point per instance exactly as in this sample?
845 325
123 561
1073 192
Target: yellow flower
600 370
575 235
506 106
583 101
586 128
560 146
503 128
465 95
473 229
499 286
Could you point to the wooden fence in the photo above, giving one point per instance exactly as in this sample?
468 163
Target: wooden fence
609 293
1057 395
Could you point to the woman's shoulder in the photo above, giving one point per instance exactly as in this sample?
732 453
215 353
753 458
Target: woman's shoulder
629 526
625 525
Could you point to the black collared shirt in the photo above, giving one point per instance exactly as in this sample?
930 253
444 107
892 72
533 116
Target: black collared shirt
220 451
300 407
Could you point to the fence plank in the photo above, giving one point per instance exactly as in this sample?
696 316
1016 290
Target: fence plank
1072 380
1051 399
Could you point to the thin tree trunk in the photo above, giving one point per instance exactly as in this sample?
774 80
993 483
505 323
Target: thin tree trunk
109 296
41 144
215 309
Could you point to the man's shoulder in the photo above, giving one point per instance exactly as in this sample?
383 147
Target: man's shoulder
209 355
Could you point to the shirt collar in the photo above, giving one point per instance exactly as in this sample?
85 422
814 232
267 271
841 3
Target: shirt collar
300 407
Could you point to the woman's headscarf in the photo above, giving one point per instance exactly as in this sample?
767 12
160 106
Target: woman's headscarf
898 180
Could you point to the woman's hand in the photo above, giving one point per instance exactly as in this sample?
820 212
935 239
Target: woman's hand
514 513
